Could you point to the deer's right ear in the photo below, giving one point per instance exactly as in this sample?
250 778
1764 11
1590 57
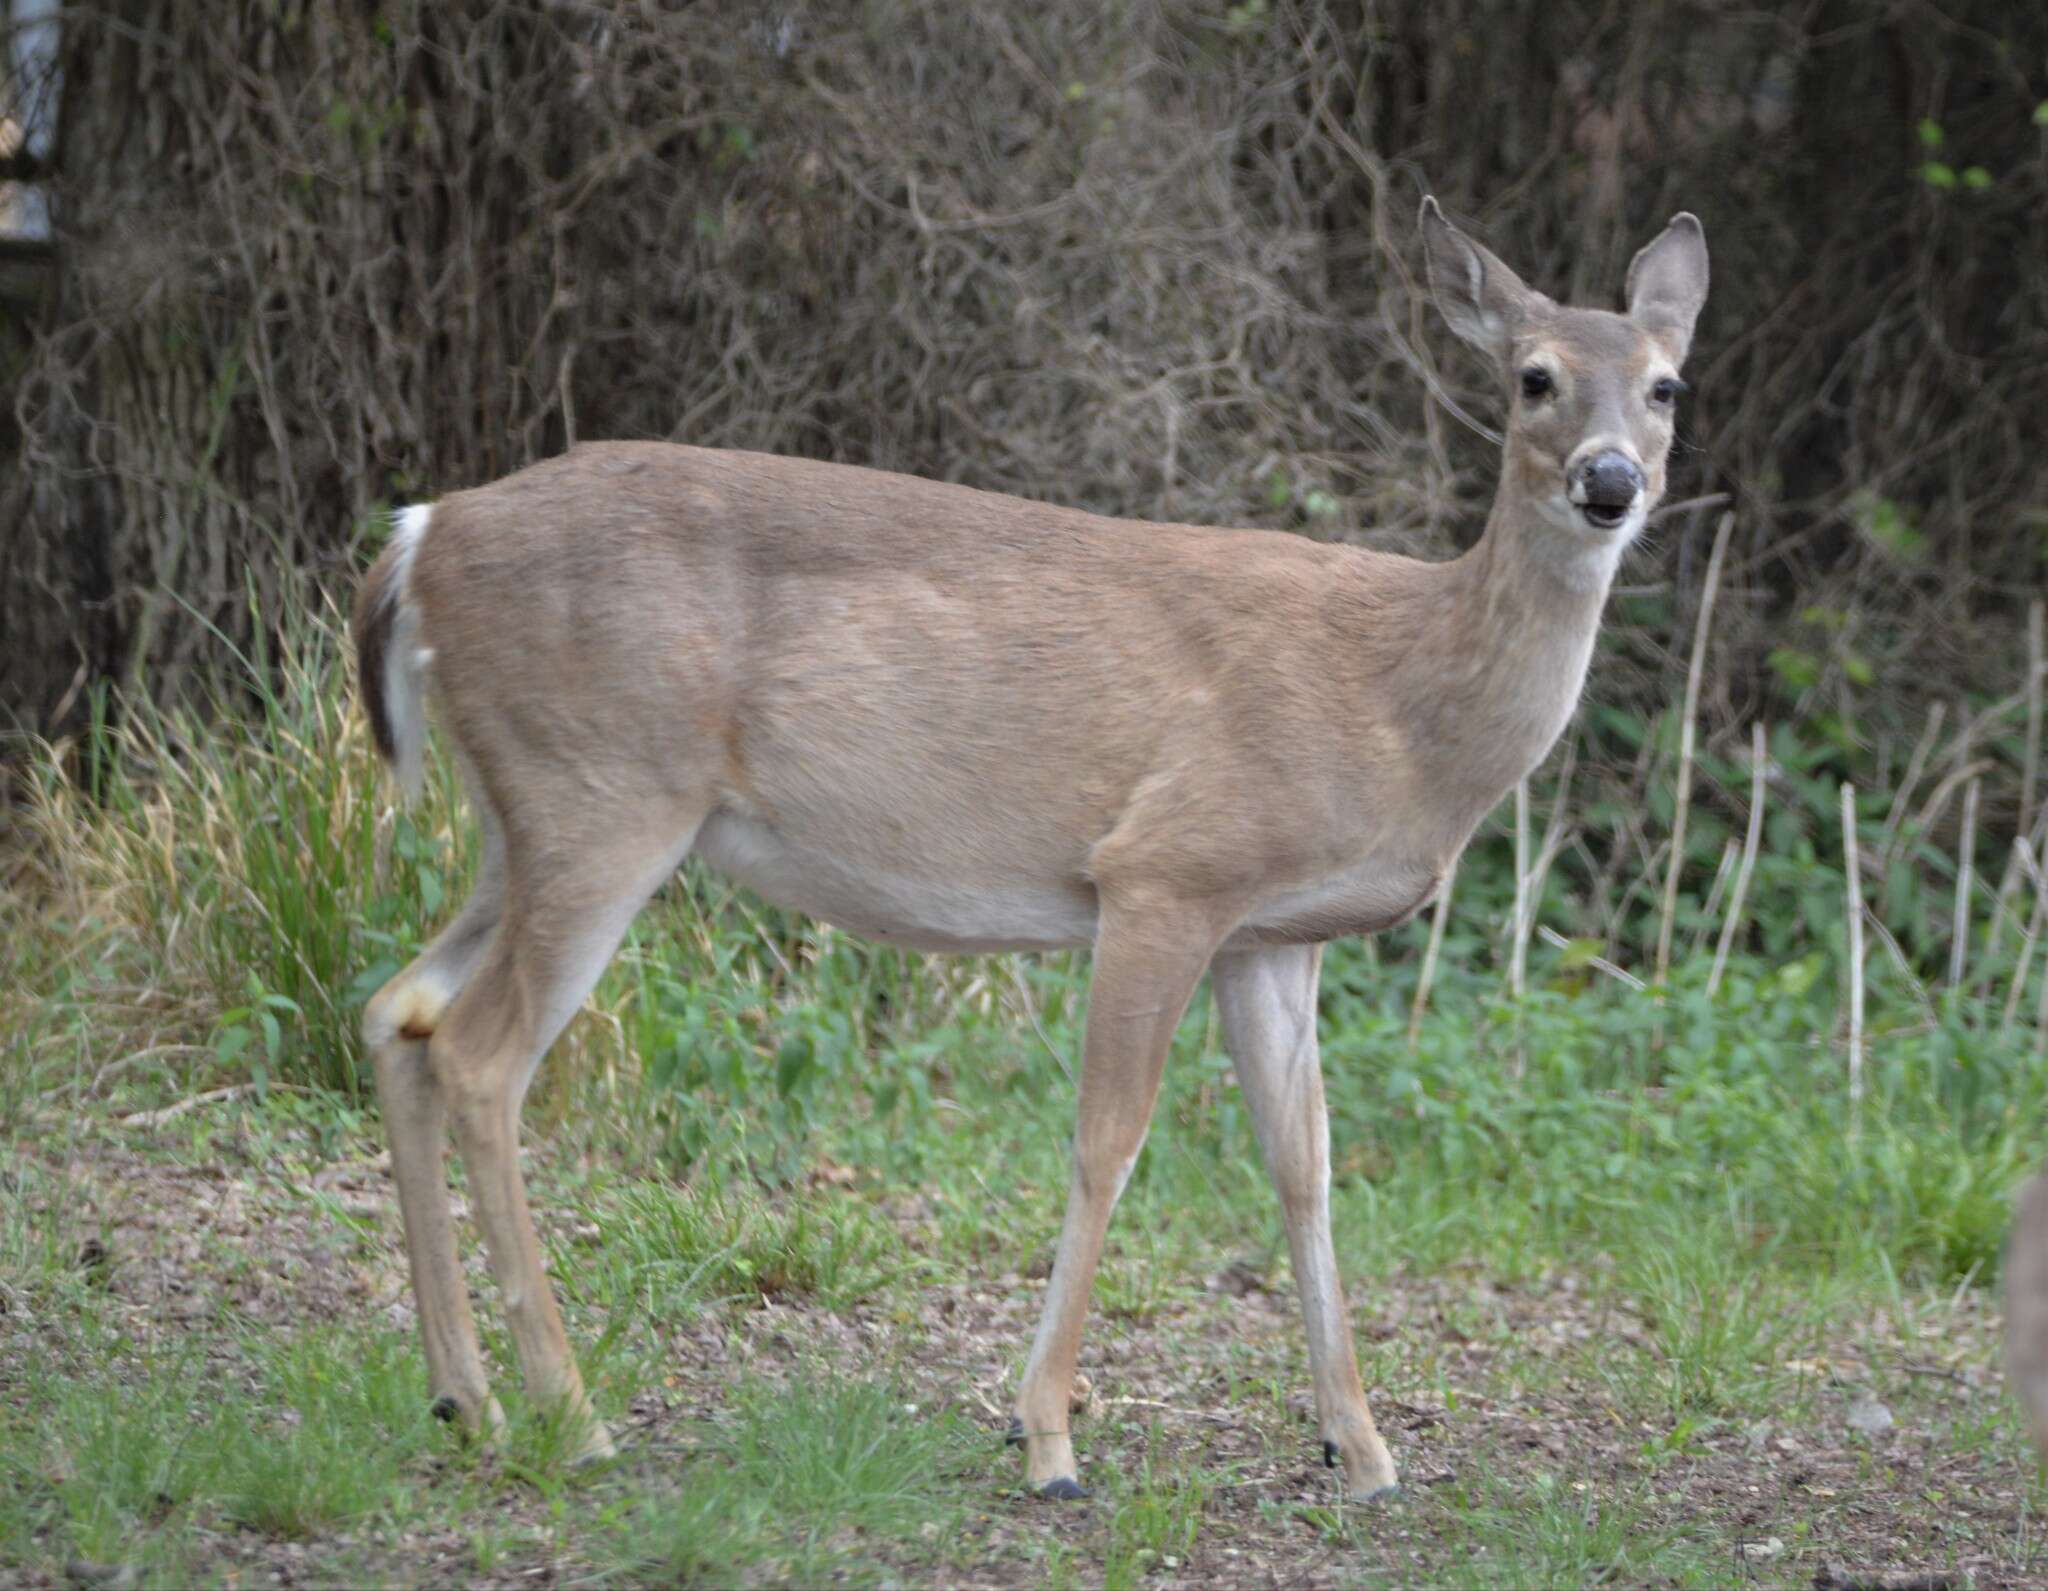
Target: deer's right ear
1484 301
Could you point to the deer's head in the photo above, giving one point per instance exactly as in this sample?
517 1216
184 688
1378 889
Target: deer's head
1592 395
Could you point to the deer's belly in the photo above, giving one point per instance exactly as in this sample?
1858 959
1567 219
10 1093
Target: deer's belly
1363 900
900 905
895 905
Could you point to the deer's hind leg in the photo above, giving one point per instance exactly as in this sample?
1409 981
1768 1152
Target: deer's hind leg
569 899
396 1026
2026 1305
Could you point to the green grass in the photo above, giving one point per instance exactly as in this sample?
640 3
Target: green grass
1619 1248
805 1481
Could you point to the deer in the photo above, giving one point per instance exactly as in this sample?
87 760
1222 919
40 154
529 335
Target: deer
2026 1305
958 721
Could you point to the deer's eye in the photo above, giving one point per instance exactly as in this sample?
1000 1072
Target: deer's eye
1666 391
1536 383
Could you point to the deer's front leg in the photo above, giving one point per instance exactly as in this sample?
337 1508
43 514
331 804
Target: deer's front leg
1267 1001
1145 970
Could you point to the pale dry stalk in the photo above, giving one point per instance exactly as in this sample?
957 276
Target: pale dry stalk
1959 937
2030 934
1751 839
1688 729
1853 868
1438 917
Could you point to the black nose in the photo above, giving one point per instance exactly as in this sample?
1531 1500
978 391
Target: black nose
1610 479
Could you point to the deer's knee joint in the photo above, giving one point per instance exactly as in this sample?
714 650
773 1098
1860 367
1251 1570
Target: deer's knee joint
1103 1171
1303 1186
410 1006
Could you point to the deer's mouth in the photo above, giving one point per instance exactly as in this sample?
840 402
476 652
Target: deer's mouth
1606 516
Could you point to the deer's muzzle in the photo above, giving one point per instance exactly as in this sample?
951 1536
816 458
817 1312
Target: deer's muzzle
1605 486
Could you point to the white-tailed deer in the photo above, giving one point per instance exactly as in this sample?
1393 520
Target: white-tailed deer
2026 1305
957 721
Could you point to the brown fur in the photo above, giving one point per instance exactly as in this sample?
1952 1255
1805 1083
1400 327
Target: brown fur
946 718
2026 1305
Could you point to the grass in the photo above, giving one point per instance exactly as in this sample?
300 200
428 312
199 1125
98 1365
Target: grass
1619 1266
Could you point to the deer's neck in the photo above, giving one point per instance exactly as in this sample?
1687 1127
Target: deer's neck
1500 670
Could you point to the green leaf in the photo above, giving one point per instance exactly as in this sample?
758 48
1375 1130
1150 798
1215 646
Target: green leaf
1858 669
1842 731
1976 177
1796 977
1799 670
1880 519
1578 953
791 1062
1930 132
2041 114
1937 175
370 980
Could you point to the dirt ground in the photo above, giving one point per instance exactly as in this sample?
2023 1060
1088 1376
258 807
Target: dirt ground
1516 1410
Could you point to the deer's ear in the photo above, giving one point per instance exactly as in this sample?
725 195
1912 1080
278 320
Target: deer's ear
1484 301
1667 282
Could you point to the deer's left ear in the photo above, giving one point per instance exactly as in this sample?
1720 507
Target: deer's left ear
1667 282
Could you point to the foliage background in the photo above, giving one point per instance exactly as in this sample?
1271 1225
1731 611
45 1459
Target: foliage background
1155 259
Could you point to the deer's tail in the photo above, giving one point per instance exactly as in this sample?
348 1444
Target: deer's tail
391 664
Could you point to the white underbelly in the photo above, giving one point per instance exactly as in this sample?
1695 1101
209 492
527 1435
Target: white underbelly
899 905
896 906
1377 894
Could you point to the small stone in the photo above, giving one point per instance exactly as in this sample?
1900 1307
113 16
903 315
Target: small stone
1762 1551
83 1572
1869 1417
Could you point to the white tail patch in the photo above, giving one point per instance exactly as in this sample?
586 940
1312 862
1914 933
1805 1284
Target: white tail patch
406 659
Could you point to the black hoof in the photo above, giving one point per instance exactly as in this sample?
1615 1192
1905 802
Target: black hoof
1064 1490
1014 1436
447 1409
1329 1455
